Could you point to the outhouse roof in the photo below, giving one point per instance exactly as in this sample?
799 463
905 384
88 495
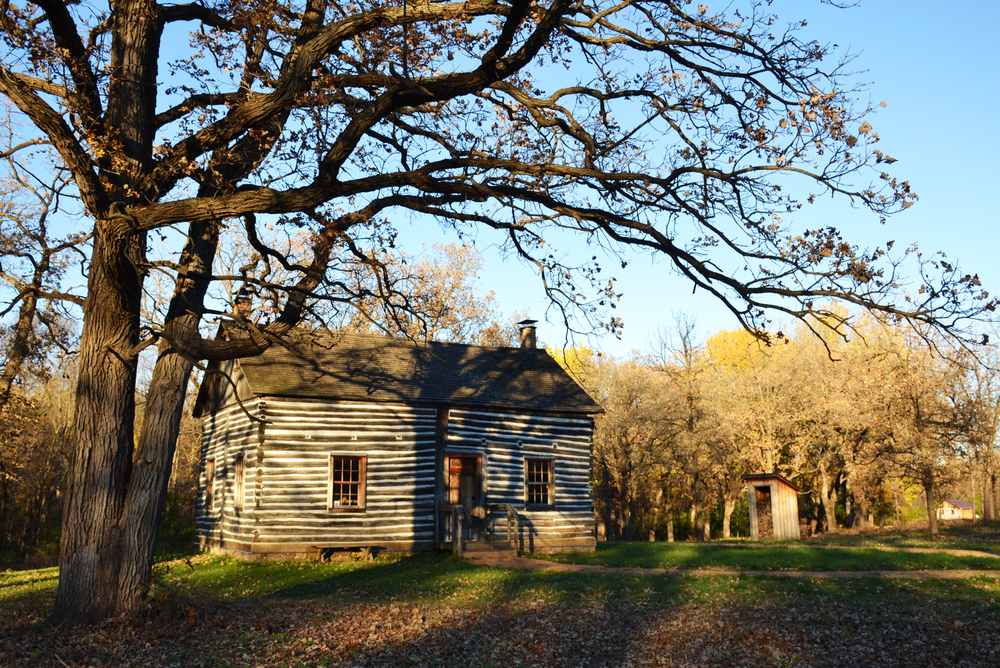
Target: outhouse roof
959 503
367 367
771 476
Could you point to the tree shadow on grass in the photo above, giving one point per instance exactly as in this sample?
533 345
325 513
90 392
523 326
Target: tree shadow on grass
764 556
427 611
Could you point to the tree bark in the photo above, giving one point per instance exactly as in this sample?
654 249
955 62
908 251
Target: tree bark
931 505
655 515
670 527
988 500
730 506
161 422
606 479
829 498
848 502
972 492
91 545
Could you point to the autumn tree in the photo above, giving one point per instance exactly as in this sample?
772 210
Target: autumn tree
444 300
975 392
647 124
630 441
35 431
922 436
679 360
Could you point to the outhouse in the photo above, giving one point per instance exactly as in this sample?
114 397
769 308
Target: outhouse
774 507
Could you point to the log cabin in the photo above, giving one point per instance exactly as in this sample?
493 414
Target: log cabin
350 441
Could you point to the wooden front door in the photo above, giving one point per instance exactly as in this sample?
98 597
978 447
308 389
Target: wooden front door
765 518
464 490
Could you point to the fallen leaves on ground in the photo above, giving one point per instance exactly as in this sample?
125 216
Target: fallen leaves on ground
284 634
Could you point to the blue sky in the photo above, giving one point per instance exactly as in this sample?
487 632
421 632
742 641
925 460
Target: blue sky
936 67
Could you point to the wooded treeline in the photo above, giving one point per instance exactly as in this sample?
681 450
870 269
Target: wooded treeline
671 131
867 428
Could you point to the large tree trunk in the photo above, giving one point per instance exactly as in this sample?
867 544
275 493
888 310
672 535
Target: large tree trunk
91 545
862 513
988 501
730 506
860 506
161 422
848 502
628 513
153 462
670 526
655 515
829 497
931 505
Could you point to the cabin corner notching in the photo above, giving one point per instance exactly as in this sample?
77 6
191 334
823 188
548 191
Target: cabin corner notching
367 441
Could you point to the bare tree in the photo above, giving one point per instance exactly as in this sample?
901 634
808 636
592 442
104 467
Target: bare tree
332 118
33 261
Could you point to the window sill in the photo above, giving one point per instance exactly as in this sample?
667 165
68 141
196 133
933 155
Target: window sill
540 506
347 509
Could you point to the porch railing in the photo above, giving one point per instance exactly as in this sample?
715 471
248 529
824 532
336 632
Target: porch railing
452 519
454 516
509 514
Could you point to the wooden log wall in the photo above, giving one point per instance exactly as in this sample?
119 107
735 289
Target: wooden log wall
289 512
504 440
225 435
286 462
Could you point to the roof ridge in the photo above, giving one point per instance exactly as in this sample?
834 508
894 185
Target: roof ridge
298 329
344 365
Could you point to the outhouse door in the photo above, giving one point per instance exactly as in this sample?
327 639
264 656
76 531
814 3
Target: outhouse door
464 485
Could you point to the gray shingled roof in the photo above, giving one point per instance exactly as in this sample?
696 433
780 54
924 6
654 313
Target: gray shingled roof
377 368
959 503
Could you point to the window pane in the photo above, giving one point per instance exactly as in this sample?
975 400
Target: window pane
346 482
538 481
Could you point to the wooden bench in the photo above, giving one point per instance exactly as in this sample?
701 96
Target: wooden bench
324 551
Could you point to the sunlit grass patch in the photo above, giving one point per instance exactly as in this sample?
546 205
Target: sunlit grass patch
746 556
28 590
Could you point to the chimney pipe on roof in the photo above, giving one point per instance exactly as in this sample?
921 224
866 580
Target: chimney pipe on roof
243 306
528 339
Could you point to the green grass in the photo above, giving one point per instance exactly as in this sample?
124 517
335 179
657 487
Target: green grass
449 581
27 589
439 580
418 579
307 612
446 580
744 555
954 535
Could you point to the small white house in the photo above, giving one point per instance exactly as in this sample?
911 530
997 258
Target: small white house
955 509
